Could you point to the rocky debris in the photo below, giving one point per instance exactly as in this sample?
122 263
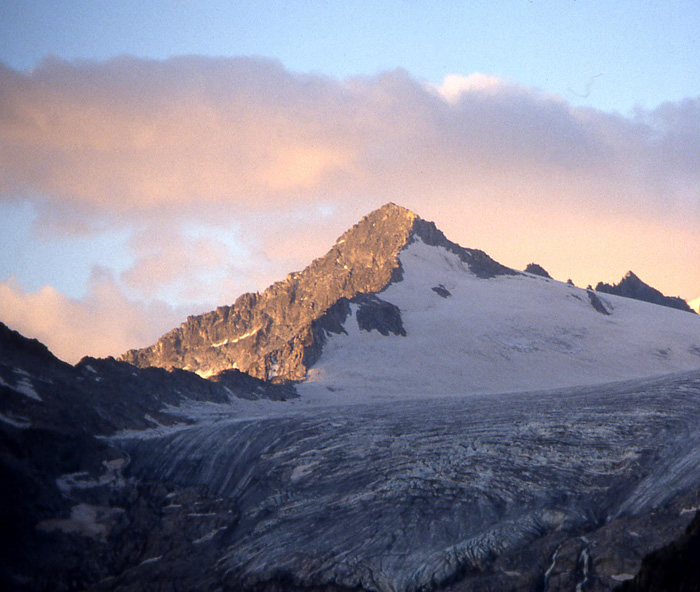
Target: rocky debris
536 269
274 335
67 513
630 286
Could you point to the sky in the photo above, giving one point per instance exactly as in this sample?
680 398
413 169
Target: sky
158 159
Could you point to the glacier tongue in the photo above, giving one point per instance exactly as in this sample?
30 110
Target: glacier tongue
407 497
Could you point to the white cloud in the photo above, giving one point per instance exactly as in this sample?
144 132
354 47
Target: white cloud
455 85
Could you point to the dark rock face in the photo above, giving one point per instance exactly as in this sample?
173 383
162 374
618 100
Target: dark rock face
479 262
631 286
440 290
673 567
597 303
373 313
274 335
536 269
102 396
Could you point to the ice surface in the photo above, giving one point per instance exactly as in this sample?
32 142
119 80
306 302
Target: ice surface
441 484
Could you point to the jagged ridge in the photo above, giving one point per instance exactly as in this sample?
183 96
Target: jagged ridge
630 286
278 334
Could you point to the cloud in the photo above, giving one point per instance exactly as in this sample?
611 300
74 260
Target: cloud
167 255
277 164
695 304
103 323
132 135
193 135
454 86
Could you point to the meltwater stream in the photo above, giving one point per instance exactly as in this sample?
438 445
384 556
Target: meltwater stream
409 496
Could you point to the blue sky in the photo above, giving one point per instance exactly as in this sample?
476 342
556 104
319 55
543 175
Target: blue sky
167 156
647 52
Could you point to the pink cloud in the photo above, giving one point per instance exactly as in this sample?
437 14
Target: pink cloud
164 255
104 323
192 134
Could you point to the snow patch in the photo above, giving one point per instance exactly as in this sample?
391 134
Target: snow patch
85 519
25 387
210 535
585 561
236 339
18 422
550 569
623 577
82 479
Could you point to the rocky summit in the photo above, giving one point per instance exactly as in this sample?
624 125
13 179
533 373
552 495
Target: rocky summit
278 334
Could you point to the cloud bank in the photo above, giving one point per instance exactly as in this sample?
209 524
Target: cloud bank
289 160
103 323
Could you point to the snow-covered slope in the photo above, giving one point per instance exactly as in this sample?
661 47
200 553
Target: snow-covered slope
509 333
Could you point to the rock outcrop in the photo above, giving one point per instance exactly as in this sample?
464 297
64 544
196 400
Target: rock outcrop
537 269
630 286
276 335
673 567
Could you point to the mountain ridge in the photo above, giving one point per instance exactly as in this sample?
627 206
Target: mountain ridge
630 286
276 335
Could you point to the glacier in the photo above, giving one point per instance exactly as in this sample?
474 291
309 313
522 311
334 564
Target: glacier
410 497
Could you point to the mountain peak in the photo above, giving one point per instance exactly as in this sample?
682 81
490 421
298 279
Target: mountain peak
392 207
277 335
631 286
